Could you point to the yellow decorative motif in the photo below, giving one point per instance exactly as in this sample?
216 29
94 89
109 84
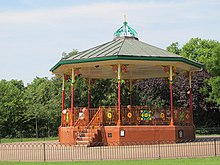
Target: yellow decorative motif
109 115
162 115
129 115
67 117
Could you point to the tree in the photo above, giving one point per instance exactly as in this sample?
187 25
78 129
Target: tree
42 98
205 83
213 62
174 48
70 54
154 91
199 49
11 107
207 52
213 66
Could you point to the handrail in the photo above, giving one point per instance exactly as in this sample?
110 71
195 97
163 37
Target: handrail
97 116
82 122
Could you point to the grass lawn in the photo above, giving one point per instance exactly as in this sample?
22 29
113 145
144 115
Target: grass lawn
184 161
11 140
214 135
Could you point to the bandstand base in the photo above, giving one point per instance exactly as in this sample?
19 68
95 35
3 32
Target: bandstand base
145 134
128 135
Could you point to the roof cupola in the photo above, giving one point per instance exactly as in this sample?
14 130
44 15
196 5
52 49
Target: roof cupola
125 30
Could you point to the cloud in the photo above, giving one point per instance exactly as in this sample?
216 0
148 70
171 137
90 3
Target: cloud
32 40
149 11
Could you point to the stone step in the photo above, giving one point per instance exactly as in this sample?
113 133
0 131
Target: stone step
86 134
89 130
82 143
84 138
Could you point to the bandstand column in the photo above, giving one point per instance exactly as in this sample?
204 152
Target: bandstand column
190 98
63 93
130 93
72 95
63 99
171 96
119 95
89 89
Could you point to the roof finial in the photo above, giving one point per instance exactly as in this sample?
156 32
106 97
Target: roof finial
125 30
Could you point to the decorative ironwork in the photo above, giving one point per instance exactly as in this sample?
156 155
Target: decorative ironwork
109 115
125 30
124 68
139 115
163 115
146 115
77 72
115 68
129 115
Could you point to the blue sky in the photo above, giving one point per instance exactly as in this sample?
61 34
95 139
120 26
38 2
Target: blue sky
34 33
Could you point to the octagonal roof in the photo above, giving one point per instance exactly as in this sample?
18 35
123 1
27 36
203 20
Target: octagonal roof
143 60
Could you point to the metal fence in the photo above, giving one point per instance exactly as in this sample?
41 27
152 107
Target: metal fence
53 151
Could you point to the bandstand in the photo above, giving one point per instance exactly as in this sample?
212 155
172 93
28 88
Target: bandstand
125 58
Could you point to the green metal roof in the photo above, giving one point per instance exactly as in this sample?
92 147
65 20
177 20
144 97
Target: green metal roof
125 30
128 48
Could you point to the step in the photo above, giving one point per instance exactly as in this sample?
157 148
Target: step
82 143
86 134
84 138
89 130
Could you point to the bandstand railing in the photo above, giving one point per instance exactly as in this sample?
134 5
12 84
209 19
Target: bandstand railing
135 115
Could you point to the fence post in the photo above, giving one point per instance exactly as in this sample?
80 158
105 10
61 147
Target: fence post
21 136
158 149
100 152
44 148
215 146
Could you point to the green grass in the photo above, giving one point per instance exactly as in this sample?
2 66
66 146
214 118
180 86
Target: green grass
11 140
184 161
207 135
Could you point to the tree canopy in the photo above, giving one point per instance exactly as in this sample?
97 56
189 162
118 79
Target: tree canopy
207 82
208 53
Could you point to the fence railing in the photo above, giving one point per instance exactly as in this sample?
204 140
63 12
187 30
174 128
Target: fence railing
45 151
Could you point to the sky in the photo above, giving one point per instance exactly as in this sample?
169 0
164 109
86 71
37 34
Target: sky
35 33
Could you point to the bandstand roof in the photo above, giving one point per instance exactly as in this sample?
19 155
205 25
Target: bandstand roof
141 59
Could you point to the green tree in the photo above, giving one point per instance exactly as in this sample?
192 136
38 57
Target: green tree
213 66
70 54
213 62
207 52
199 49
42 98
214 95
174 48
11 107
206 96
